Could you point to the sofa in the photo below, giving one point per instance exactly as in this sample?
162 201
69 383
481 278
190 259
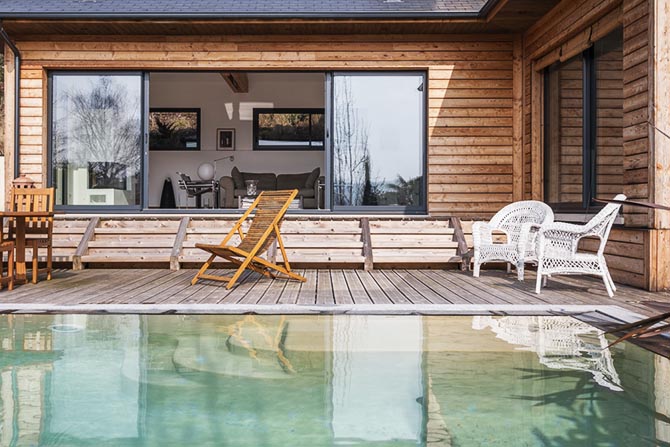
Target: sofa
307 184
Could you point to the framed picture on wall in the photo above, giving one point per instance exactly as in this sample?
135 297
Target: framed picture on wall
174 129
225 139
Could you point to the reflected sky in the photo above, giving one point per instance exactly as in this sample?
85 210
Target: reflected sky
129 380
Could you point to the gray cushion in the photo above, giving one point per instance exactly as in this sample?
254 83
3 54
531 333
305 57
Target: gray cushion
266 182
311 179
237 177
306 192
291 181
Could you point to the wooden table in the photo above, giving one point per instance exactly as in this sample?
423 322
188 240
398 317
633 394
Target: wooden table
21 217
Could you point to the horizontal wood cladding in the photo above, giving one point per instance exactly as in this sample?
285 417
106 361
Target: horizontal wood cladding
574 26
470 95
636 142
566 30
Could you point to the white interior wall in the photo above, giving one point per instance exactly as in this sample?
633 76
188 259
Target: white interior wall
221 108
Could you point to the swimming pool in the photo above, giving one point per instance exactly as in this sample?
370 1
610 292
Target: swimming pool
139 380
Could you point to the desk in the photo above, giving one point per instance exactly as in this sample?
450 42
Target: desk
21 217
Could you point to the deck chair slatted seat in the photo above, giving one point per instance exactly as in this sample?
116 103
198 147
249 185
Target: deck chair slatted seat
269 210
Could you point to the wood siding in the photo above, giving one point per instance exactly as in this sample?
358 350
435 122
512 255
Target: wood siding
565 31
470 96
637 144
485 107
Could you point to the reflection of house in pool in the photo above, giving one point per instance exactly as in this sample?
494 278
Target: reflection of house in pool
362 380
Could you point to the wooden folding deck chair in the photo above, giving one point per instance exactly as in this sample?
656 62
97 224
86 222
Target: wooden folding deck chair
270 207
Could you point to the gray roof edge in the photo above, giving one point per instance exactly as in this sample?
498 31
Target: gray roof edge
219 16
402 15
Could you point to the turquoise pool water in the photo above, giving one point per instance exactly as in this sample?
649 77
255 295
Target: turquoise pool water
133 380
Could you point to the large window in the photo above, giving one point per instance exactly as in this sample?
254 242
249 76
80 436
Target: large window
584 126
378 141
97 139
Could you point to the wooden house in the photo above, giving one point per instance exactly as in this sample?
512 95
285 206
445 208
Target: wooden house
394 116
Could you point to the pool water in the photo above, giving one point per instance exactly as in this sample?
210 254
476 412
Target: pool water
138 380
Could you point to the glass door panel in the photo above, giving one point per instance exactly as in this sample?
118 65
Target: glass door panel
97 139
378 141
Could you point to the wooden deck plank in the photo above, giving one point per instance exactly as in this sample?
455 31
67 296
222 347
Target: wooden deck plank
358 293
428 295
341 293
248 282
390 288
324 288
274 292
377 295
147 287
448 291
66 283
507 287
176 280
411 295
307 293
129 294
291 291
122 287
203 289
472 293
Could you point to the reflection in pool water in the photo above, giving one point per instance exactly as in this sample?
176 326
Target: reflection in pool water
130 380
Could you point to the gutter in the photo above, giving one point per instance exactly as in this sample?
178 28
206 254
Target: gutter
17 96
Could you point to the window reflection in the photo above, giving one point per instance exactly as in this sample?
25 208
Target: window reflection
96 139
378 148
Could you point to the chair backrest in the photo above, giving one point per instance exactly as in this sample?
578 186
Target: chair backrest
601 224
35 200
270 208
513 216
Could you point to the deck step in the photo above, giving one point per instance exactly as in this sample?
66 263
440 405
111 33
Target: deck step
308 240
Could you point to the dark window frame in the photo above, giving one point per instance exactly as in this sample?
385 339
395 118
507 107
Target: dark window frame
420 209
110 209
589 133
296 110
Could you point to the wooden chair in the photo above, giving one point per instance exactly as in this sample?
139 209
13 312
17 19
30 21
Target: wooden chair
270 208
7 246
39 231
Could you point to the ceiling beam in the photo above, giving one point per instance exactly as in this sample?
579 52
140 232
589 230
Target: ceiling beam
238 82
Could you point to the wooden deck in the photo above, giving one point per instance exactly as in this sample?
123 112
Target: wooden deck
326 291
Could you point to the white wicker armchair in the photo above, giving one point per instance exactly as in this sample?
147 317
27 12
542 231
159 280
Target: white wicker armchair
520 222
558 242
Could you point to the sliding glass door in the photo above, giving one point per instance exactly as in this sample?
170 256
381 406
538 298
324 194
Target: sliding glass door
97 142
378 142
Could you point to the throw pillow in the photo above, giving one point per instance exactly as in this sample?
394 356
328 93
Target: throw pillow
237 178
312 178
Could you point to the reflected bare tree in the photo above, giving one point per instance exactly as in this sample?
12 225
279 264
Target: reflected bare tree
100 131
355 183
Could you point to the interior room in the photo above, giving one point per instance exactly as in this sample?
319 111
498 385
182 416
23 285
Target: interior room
263 127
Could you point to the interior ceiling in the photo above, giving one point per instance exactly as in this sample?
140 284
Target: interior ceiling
511 16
